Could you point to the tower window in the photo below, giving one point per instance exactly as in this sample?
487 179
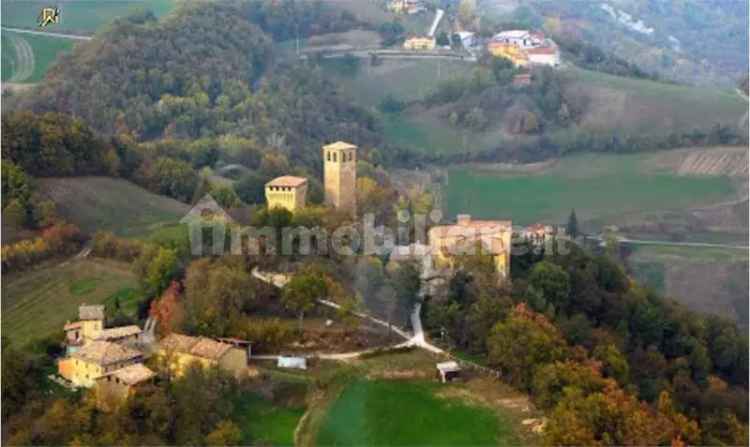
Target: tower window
328 156
334 156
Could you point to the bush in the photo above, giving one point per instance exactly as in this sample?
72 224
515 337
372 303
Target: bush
59 239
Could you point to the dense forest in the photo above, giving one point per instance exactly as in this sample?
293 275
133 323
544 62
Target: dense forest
205 72
578 335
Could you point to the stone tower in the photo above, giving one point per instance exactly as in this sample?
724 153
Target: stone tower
340 175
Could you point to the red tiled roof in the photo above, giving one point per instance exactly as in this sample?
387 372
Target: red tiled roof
287 180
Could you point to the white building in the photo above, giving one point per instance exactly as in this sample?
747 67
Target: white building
521 38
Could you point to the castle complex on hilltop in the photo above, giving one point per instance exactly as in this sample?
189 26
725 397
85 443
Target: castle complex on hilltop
339 178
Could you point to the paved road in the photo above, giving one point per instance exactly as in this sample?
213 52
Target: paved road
47 33
673 244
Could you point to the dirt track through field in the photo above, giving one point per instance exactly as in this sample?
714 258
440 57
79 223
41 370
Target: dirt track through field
24 67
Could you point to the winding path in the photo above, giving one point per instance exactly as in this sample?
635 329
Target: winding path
417 339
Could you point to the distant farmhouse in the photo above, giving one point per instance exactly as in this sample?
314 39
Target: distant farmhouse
406 6
417 43
525 48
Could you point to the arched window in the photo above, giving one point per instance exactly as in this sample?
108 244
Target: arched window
328 156
334 156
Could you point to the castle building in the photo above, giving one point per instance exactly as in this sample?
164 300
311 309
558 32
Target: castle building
467 236
286 192
340 175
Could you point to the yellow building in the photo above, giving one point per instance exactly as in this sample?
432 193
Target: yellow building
467 236
181 351
511 51
419 43
88 327
286 192
405 6
340 175
96 359
114 388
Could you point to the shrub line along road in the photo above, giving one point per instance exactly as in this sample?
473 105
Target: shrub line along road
47 33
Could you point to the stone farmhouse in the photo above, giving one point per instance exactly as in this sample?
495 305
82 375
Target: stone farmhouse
96 359
107 359
88 327
116 386
179 352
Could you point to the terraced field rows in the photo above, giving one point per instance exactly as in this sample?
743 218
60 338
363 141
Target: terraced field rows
723 163
24 58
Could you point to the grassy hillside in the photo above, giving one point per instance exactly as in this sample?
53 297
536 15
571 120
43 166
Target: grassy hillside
627 106
711 280
641 106
37 303
404 79
597 186
26 57
102 203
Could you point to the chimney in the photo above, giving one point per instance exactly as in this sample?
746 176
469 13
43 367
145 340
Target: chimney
463 220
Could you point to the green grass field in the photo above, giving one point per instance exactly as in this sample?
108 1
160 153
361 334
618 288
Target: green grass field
409 413
79 16
102 203
37 303
600 187
406 80
26 57
266 423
